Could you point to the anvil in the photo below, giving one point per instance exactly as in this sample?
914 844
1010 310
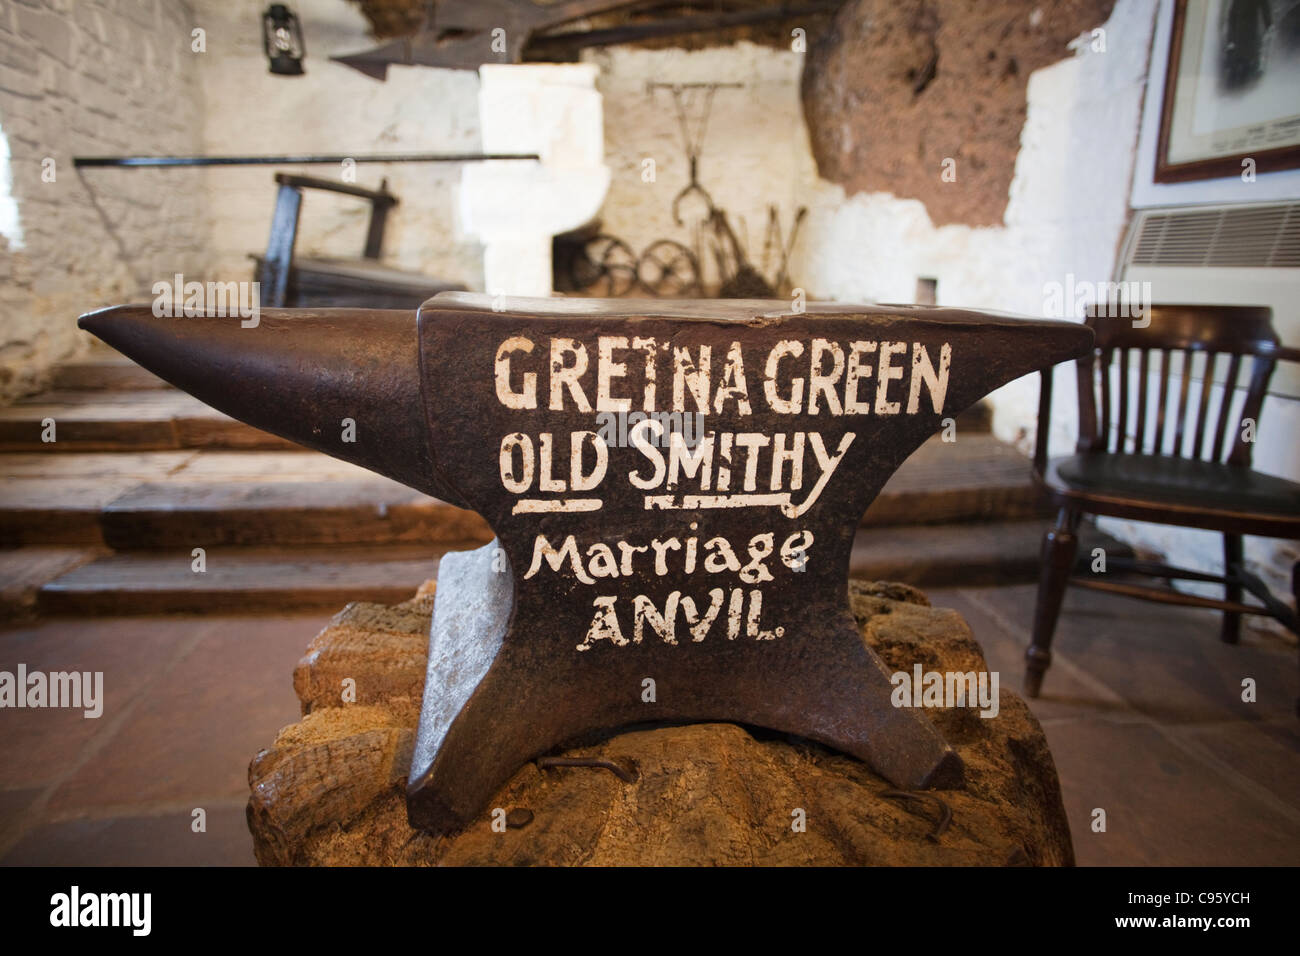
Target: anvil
674 489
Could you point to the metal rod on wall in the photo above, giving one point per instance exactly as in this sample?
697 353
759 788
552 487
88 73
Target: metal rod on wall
140 161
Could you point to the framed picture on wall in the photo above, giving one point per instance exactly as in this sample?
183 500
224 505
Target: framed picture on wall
1232 90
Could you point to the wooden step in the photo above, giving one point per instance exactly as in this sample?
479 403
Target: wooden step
126 420
259 580
241 580
128 514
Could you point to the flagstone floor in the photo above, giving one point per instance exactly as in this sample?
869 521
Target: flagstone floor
1142 708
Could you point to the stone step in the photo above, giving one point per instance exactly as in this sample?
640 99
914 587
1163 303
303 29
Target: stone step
974 478
257 580
23 571
239 580
213 499
61 498
374 510
978 419
125 420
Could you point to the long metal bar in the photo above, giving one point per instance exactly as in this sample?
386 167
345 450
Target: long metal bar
701 23
291 159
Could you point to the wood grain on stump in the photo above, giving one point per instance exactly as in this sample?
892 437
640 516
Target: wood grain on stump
331 789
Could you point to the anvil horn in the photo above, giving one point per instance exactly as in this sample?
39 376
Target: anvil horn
297 373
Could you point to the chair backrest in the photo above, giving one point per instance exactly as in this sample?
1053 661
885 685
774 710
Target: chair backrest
1235 338
381 200
273 273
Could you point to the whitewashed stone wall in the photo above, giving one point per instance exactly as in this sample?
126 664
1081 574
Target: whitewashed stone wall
332 109
86 77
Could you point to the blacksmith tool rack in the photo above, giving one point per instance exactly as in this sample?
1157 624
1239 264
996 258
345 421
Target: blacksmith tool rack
605 265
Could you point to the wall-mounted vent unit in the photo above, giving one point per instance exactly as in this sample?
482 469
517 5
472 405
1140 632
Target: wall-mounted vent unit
1257 236
1223 255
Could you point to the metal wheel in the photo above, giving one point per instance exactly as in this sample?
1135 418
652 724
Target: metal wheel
668 269
612 265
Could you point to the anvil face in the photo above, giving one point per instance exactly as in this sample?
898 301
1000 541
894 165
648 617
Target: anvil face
675 491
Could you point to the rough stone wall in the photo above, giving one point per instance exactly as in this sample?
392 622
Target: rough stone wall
88 77
896 89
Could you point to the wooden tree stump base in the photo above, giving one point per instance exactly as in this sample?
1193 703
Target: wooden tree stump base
331 789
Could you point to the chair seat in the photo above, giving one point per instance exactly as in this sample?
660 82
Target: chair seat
1163 479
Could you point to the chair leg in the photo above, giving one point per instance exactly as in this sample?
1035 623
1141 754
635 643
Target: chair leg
1295 593
1059 546
1232 555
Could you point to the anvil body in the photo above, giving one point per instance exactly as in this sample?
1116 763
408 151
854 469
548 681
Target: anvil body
709 569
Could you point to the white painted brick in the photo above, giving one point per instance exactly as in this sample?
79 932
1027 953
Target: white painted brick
90 241
51 32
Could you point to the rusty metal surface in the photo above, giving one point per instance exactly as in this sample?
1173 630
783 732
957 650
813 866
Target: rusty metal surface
623 592
627 775
781 649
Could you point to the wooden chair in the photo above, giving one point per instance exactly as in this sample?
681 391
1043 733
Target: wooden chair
1166 471
303 282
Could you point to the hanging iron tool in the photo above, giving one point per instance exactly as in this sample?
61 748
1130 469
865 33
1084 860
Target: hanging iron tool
784 247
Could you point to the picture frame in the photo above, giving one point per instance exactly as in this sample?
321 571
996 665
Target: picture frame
1230 94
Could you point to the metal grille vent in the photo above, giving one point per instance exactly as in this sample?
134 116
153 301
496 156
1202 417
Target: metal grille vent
1244 236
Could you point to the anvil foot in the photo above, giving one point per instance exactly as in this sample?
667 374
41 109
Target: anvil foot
494 700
